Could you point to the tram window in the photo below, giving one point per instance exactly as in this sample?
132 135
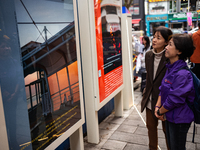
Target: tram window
53 84
111 10
73 72
62 78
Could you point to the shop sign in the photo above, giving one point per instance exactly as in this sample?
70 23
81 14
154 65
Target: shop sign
182 15
156 18
157 0
158 8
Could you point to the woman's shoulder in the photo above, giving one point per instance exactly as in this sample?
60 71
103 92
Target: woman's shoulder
184 74
149 52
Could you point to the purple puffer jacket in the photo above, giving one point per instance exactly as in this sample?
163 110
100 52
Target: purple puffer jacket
175 87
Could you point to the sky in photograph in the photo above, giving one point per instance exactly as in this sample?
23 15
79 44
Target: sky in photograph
54 14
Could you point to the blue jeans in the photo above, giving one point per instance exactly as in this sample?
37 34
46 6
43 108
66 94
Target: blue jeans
176 135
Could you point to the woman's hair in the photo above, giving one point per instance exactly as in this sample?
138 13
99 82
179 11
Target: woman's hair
165 32
146 38
183 43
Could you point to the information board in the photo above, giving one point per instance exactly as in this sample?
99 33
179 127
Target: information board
108 44
51 69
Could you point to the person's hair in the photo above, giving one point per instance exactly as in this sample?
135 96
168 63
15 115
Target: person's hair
165 32
199 24
146 38
184 43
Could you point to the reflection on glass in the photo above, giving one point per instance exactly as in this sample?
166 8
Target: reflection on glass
48 47
111 33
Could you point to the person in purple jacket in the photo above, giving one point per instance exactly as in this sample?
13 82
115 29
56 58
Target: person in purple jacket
176 87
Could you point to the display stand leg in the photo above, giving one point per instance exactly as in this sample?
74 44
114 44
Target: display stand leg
76 140
92 127
118 102
3 131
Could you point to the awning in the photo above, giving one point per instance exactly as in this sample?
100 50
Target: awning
135 21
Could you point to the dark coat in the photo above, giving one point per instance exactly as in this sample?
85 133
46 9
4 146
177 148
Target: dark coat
152 86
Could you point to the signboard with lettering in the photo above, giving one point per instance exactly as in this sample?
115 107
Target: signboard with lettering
182 17
108 44
156 18
51 67
158 8
157 0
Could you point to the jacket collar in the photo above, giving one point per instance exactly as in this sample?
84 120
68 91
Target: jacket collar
176 65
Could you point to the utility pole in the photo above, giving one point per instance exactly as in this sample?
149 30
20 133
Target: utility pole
197 9
45 32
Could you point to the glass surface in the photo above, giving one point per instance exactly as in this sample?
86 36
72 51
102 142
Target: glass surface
48 48
111 34
172 6
108 46
12 88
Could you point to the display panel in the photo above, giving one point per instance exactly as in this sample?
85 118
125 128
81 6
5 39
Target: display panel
48 48
108 44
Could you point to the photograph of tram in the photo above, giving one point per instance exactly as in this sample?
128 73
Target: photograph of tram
111 34
50 68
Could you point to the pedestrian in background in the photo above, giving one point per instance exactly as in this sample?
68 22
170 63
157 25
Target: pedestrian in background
155 61
140 63
177 88
195 58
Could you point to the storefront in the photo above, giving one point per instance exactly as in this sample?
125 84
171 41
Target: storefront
153 21
157 15
179 20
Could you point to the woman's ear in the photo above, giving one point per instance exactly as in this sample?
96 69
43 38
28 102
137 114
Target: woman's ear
178 52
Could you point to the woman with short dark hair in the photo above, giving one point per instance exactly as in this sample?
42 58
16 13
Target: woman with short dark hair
177 87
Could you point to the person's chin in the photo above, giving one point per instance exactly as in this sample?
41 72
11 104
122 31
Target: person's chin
166 55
